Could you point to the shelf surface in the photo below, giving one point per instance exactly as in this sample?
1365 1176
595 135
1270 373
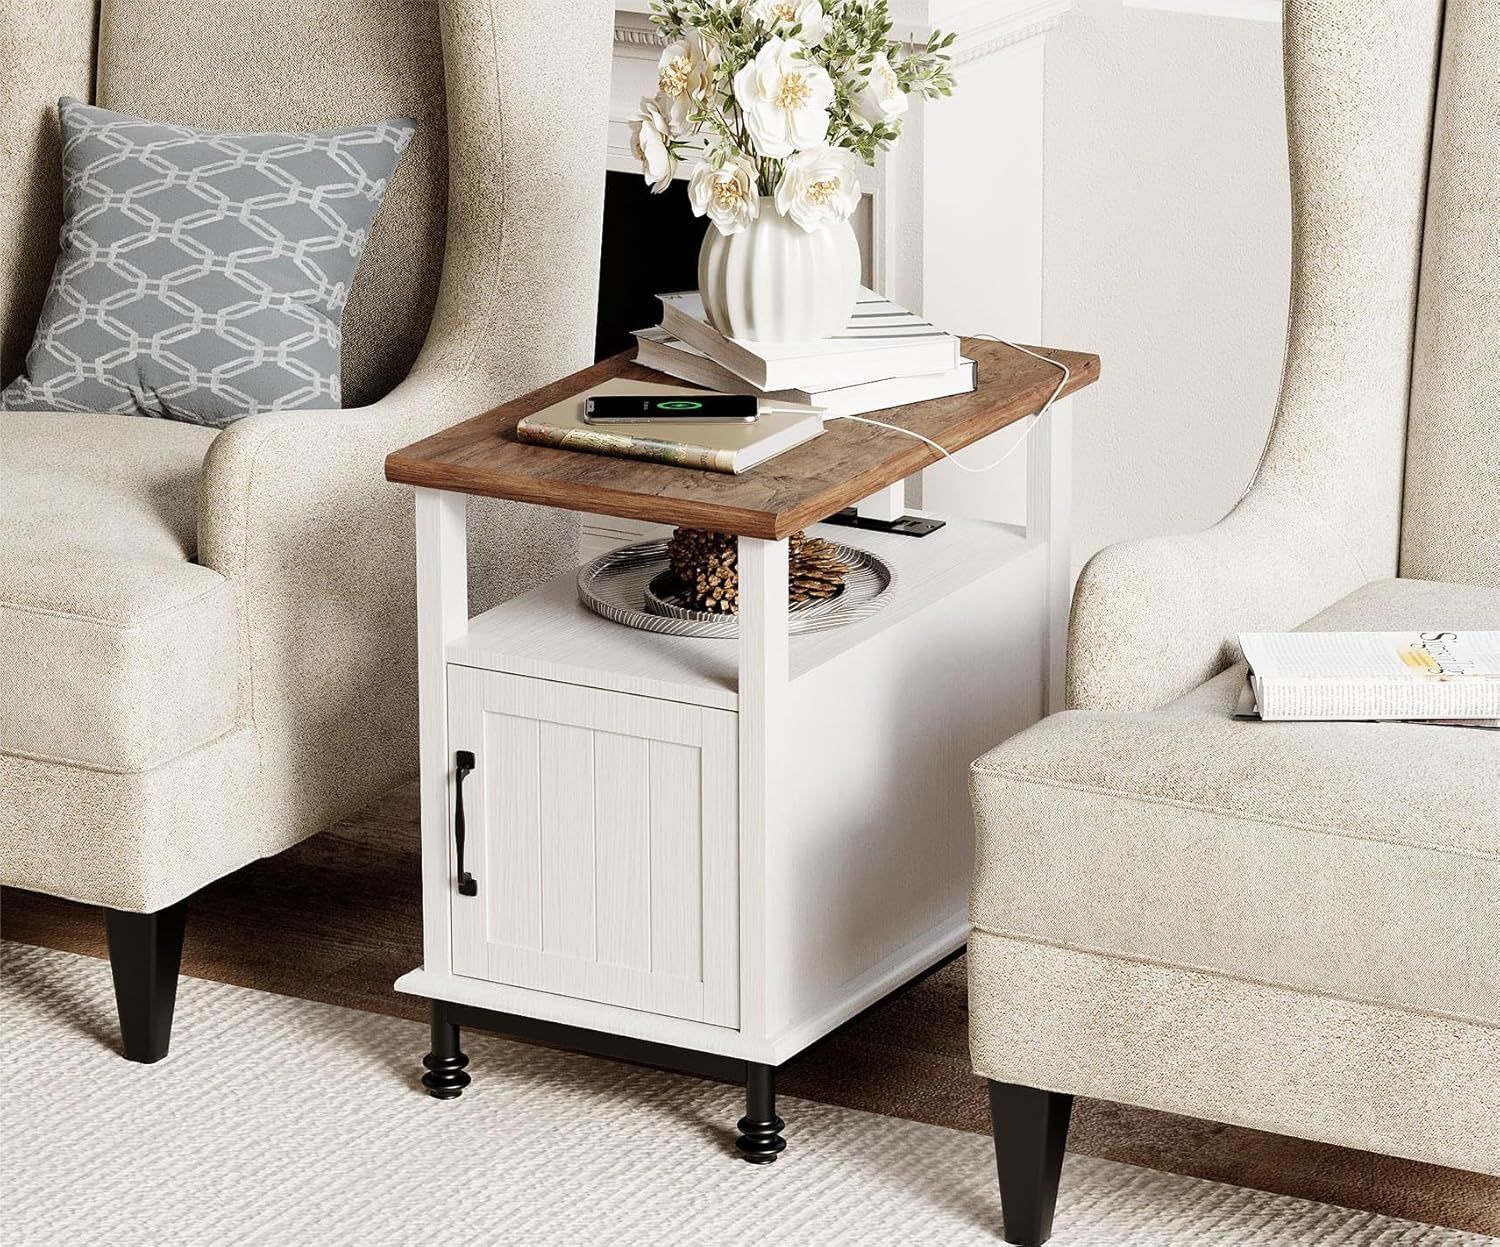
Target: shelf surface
549 635
841 467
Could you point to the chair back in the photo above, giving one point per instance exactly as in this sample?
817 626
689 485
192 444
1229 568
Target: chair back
1359 89
46 50
1387 430
1450 525
261 65
310 65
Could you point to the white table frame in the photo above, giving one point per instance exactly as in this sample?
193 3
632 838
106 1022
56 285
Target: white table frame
760 1042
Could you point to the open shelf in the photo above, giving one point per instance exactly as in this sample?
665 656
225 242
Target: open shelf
548 634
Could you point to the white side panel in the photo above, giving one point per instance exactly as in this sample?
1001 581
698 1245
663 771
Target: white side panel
873 852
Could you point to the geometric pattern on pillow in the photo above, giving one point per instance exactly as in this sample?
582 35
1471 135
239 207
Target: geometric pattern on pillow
202 275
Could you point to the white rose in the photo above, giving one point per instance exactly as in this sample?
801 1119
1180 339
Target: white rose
784 98
779 16
726 193
880 97
650 137
682 78
819 187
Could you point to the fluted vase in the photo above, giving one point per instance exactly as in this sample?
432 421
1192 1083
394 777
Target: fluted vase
775 282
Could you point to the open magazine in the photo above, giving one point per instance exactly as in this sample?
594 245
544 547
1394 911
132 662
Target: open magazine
1440 676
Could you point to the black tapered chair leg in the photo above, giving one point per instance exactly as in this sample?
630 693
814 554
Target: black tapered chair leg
1030 1128
145 952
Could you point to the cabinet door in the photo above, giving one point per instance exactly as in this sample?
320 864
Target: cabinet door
601 831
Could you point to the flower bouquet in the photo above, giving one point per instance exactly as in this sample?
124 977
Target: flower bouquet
781 103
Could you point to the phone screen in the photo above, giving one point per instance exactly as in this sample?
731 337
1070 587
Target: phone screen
702 409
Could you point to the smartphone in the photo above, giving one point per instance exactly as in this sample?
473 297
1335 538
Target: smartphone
702 409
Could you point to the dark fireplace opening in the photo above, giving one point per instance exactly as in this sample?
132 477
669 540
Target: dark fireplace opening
650 246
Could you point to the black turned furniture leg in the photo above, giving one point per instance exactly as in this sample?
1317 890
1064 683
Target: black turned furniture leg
1030 1128
145 951
445 1078
760 1129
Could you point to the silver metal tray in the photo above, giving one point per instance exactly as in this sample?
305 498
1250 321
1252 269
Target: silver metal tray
616 586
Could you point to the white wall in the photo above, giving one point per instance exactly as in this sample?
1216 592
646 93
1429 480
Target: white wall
1166 251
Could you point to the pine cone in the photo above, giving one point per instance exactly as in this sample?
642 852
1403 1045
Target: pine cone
815 570
706 566
691 548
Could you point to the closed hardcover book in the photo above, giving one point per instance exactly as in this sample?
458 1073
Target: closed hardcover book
1440 675
882 340
729 446
658 349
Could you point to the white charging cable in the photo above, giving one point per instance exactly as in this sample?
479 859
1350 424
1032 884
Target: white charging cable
1033 419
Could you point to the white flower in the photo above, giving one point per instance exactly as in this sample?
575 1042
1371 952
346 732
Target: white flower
682 78
819 187
651 139
784 98
726 194
880 97
779 16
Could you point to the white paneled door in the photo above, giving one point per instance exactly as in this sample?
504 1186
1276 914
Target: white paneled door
601 834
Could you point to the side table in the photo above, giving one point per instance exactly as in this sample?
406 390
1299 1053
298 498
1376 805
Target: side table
707 854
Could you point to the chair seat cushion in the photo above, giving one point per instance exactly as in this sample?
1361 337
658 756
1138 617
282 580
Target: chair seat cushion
1360 860
117 651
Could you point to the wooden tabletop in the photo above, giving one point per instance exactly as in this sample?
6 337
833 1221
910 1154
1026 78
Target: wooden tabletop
843 466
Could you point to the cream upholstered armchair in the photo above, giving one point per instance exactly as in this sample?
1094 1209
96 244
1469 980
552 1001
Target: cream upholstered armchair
1293 927
207 643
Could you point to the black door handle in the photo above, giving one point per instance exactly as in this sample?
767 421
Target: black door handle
463 762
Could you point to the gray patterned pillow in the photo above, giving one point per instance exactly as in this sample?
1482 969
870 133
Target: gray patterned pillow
203 275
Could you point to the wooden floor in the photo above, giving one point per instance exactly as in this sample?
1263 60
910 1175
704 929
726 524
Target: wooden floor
337 919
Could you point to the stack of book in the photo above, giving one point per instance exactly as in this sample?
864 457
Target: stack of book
886 357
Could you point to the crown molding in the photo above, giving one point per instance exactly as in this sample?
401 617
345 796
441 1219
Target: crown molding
982 27
1007 25
634 33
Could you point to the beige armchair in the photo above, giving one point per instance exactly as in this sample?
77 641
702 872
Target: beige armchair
207 645
1292 927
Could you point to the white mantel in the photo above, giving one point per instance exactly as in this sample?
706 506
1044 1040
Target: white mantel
953 220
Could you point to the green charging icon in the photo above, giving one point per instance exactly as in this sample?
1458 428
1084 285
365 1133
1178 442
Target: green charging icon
678 404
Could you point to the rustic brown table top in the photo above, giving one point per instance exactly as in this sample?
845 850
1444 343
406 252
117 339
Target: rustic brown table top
847 463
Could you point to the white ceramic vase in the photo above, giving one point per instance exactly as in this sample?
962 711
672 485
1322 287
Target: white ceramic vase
775 282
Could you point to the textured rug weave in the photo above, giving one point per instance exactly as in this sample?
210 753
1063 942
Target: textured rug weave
280 1121
338 918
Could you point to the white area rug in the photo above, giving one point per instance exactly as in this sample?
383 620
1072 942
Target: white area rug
281 1121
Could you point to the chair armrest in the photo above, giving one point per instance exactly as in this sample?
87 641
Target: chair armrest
295 509
1156 617
304 492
